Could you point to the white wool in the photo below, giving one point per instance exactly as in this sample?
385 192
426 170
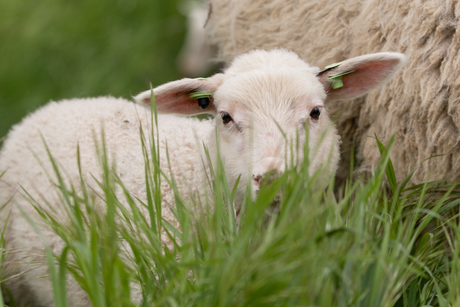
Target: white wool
63 125
262 91
420 105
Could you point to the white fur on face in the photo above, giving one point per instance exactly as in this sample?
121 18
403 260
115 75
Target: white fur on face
267 98
276 94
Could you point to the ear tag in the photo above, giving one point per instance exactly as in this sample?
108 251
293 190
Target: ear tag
329 67
202 97
333 65
337 81
203 102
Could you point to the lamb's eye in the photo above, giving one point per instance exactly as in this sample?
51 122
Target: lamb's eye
226 118
315 113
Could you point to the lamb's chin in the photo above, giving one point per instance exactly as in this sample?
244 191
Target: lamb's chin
275 205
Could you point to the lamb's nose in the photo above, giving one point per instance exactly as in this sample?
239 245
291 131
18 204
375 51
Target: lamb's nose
266 178
267 170
257 180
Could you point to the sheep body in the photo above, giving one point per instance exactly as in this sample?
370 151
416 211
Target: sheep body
79 120
420 104
260 104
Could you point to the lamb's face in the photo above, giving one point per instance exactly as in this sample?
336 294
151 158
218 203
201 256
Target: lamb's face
261 122
263 103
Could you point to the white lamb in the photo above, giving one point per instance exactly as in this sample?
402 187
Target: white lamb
259 95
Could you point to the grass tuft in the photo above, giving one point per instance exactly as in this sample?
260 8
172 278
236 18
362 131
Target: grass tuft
376 243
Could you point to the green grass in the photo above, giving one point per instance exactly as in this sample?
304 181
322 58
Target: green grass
52 50
373 244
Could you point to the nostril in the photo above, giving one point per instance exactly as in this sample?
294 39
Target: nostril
257 179
267 178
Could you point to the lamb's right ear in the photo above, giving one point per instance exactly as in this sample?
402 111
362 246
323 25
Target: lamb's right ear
357 76
180 97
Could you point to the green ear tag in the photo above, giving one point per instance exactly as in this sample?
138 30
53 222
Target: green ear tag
202 97
198 95
333 65
337 81
201 79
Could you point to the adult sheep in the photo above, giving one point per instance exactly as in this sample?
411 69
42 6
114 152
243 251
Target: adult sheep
260 94
421 103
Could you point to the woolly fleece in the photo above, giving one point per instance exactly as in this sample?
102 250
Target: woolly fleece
77 120
420 104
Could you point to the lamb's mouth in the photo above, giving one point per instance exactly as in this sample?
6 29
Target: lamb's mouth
276 202
275 206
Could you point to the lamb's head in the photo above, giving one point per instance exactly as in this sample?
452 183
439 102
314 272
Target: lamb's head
266 102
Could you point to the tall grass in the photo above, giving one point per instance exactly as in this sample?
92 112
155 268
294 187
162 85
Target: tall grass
371 244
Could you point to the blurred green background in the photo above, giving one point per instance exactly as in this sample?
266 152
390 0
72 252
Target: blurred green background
55 49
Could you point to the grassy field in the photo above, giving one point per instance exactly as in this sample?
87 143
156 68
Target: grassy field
375 243
55 49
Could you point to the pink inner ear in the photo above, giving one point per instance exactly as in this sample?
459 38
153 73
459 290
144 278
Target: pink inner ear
173 97
180 103
365 77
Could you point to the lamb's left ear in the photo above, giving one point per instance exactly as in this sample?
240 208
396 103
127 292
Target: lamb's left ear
357 76
180 97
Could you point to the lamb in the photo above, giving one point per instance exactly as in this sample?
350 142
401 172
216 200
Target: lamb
260 94
421 103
